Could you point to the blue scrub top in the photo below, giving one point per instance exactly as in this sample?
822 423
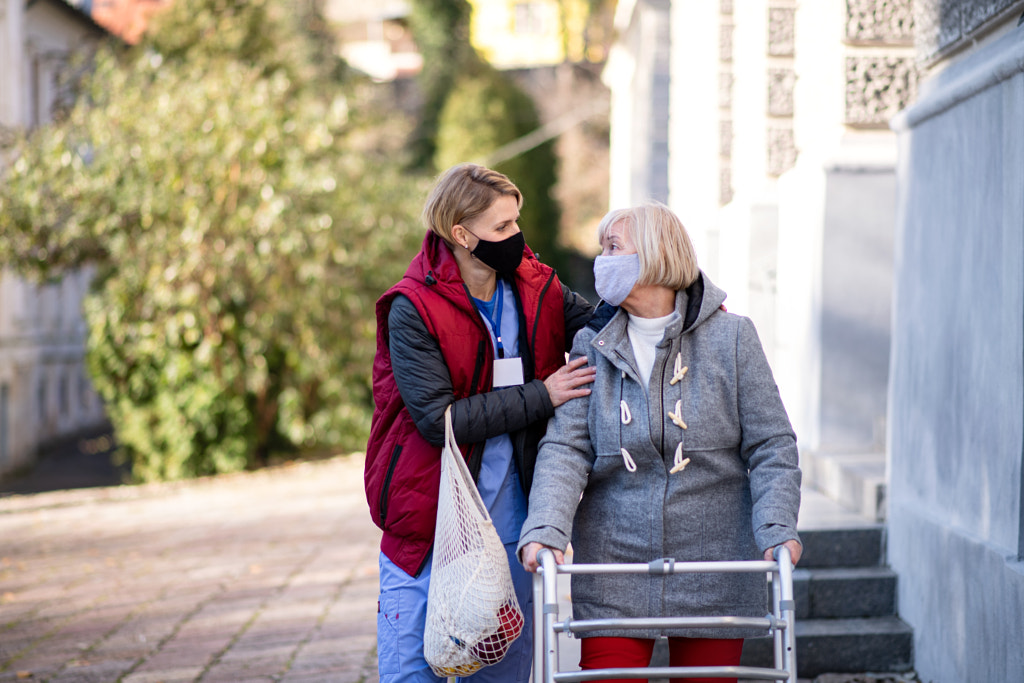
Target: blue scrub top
499 477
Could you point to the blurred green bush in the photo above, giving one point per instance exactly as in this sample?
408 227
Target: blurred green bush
241 203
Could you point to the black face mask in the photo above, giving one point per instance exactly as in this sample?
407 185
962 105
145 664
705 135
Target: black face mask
504 256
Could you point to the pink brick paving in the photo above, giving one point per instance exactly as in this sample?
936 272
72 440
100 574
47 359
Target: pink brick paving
266 576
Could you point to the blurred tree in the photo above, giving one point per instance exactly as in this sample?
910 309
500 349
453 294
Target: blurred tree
485 111
242 207
441 31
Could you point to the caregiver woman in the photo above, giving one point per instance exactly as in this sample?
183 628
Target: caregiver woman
683 449
477 323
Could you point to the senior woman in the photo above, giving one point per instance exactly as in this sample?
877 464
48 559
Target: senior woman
683 449
478 324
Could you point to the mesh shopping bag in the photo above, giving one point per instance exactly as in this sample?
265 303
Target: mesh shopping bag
473 615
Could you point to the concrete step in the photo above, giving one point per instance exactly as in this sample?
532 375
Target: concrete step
861 546
844 593
819 511
881 644
855 481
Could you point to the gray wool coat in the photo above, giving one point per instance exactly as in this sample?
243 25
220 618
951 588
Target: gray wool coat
738 495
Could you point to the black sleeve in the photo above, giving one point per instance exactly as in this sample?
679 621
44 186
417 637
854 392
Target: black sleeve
577 312
426 387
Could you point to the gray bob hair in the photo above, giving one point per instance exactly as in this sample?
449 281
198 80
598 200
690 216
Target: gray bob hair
667 257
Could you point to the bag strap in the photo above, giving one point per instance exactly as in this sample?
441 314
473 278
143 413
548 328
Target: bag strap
454 455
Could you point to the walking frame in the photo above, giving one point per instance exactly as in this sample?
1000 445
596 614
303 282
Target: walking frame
779 623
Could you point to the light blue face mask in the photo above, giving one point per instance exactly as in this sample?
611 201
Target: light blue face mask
615 276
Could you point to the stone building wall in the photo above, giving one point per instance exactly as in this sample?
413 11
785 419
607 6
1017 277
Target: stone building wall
799 229
638 76
956 427
857 83
45 393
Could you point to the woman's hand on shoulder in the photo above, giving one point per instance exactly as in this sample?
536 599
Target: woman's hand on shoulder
529 555
569 381
795 550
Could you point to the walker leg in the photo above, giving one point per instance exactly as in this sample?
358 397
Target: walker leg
538 628
778 635
788 609
550 607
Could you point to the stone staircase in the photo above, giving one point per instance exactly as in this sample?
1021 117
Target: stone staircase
845 598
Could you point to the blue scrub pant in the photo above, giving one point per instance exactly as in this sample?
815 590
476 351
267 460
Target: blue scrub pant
402 616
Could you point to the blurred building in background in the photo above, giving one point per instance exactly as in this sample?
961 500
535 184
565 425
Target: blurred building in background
509 34
45 393
515 34
374 37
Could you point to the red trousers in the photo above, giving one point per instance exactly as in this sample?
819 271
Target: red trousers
606 653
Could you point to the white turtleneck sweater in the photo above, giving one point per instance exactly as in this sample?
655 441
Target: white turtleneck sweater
645 334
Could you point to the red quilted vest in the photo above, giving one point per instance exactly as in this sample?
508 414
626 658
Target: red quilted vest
402 470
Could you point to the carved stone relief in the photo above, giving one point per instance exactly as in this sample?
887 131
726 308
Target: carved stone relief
975 13
780 91
725 184
941 25
725 81
725 42
877 87
937 26
781 31
889 21
781 150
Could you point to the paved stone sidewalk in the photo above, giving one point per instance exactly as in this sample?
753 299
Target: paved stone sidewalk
267 576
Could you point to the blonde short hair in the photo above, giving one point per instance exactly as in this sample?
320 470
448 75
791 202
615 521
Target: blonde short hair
666 253
462 193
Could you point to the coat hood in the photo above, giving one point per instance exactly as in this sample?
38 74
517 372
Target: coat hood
435 265
699 301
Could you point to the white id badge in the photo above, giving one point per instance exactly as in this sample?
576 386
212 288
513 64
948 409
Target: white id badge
508 372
